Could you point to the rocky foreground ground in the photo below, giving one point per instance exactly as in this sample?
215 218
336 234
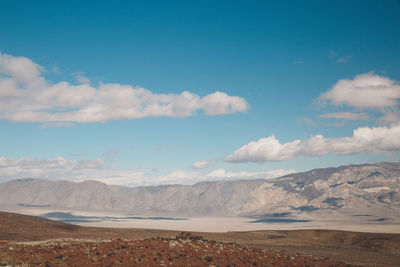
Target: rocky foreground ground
182 250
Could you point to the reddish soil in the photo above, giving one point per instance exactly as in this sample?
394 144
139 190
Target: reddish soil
183 250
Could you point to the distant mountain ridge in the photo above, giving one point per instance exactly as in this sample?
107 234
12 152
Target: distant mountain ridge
368 189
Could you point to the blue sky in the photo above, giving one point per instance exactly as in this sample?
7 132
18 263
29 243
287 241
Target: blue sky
284 71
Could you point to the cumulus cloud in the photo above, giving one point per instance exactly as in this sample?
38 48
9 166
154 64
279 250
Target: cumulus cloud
376 140
97 169
222 173
26 96
188 178
57 168
201 164
346 116
147 177
367 90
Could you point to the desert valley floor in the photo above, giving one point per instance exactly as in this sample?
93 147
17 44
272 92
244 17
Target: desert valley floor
213 223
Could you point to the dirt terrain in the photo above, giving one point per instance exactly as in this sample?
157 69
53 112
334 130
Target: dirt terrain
184 250
34 241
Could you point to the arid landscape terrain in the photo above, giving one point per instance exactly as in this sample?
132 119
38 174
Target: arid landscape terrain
341 216
33 241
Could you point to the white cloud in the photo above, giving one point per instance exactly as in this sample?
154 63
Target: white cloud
201 164
220 103
364 91
26 96
221 173
346 116
21 69
147 177
377 140
58 168
81 170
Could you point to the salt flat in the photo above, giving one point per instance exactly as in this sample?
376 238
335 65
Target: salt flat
225 224
214 224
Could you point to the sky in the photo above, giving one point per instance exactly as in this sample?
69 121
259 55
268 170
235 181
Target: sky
165 92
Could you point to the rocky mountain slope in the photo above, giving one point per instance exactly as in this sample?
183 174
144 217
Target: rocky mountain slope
360 190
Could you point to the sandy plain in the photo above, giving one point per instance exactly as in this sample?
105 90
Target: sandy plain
214 224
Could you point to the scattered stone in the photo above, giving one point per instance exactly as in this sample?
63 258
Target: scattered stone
183 250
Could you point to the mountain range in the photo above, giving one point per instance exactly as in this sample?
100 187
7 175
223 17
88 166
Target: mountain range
356 190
